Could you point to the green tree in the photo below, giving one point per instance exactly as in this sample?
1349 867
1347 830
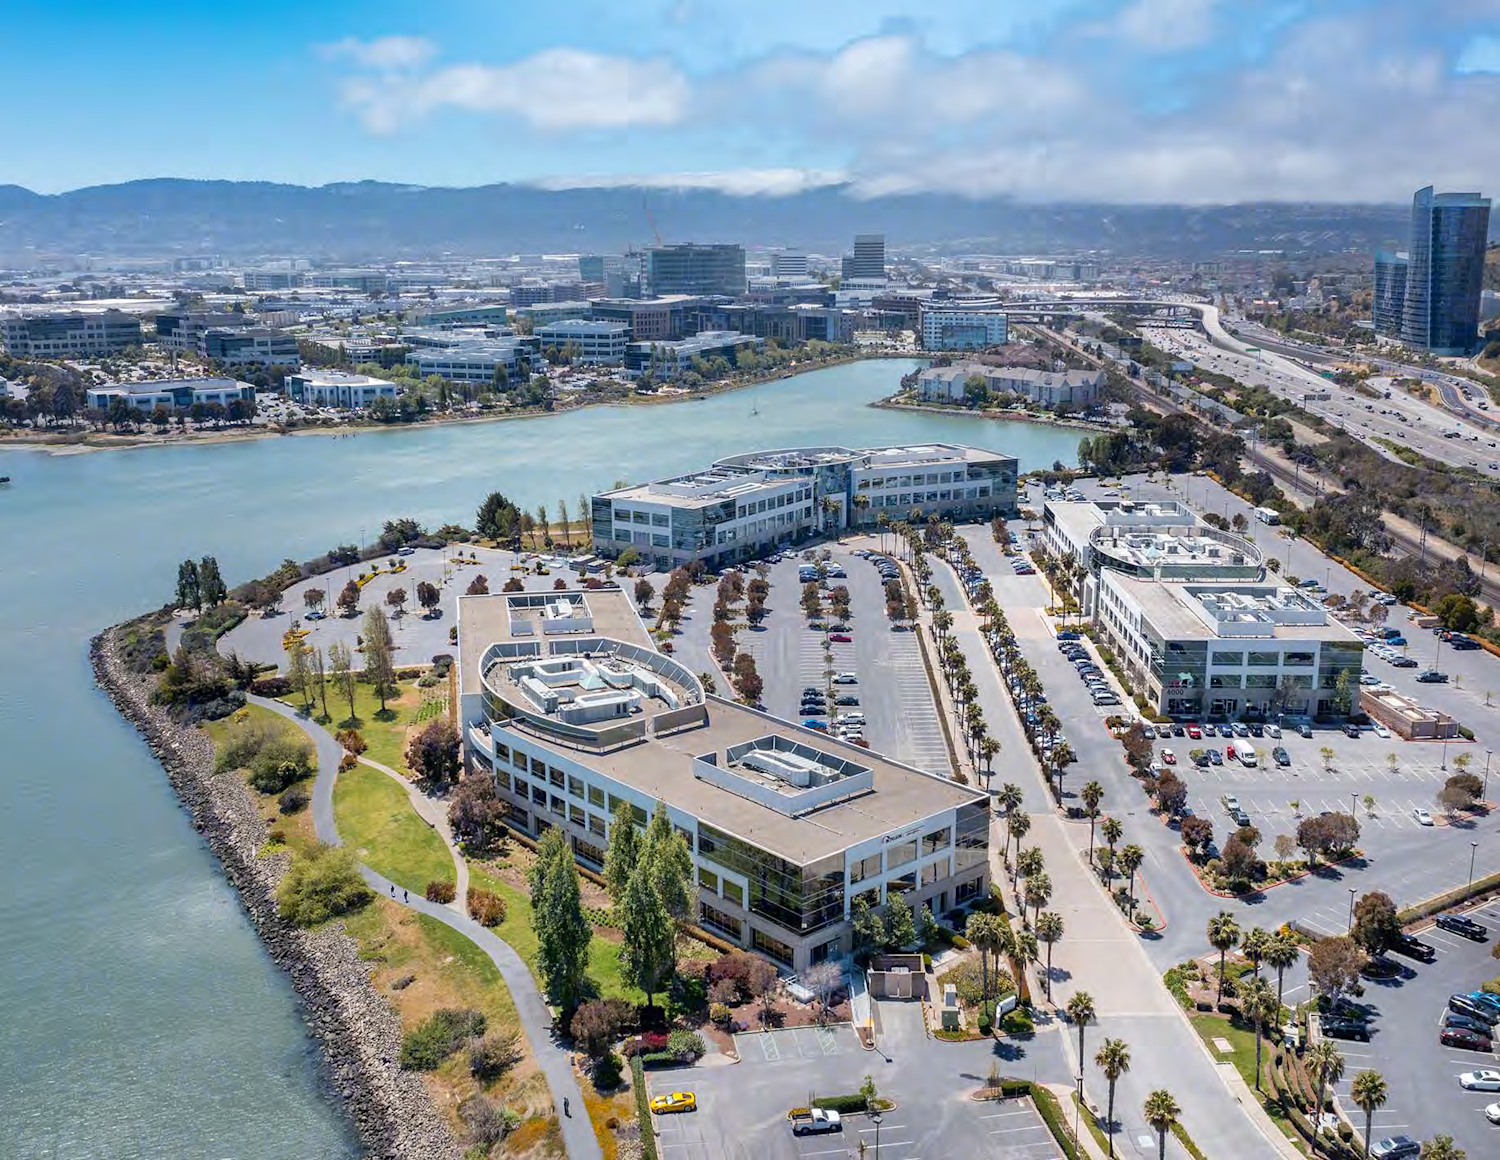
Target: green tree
1442 1147
869 928
1376 926
188 594
666 853
1161 1112
562 931
210 583
1254 945
1092 795
624 851
1369 1093
900 926
1326 1066
648 949
1131 858
1281 953
1038 892
297 670
380 655
322 883
988 935
1113 1059
1261 1007
1081 1013
1223 934
1049 930
339 660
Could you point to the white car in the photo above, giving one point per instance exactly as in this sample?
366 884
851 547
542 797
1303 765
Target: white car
1369 679
1492 1113
1273 730
1487 1080
1423 818
846 679
1382 731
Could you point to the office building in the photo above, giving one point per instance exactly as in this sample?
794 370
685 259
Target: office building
867 262
490 314
744 506
251 346
789 265
362 280
690 268
346 391
649 319
586 341
1226 650
668 360
272 279
1077 388
173 394
183 330
1435 290
565 701
70 334
962 328
478 363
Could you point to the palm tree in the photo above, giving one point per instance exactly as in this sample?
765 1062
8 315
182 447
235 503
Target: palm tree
882 525
1081 1013
1280 954
1369 1093
1092 794
1261 1007
1113 1060
1038 893
989 935
1024 950
989 749
1049 929
1016 826
1113 830
1441 1147
1009 798
1255 945
1161 1112
1223 933
1326 1066
1131 858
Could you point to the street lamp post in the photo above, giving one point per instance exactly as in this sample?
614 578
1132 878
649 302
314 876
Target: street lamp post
875 1119
1473 849
1351 910
1353 803
1444 766
1484 792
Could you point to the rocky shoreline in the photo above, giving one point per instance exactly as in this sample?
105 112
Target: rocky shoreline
360 1032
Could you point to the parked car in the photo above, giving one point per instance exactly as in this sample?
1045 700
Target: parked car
1214 757
813 1121
1490 1003
1169 757
1459 924
1304 731
1395 1148
846 699
1468 1040
1164 731
1492 1111
1351 730
1467 1022
1240 729
1273 731
840 637
1466 1005
675 1102
1280 756
1432 677
1338 1027
1413 948
1406 663
1195 732
1382 732
1421 816
1257 729
846 679
1069 635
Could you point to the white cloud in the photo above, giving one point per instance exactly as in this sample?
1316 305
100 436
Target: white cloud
774 182
384 53
1164 25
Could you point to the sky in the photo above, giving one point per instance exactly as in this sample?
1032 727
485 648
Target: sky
1186 101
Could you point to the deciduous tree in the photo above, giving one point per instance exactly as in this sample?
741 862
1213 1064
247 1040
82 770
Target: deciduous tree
1334 965
380 655
433 753
623 852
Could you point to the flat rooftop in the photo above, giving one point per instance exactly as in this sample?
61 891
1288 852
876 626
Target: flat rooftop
1230 612
1149 548
712 485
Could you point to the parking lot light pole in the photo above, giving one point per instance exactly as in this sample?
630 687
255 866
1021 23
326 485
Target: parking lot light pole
1445 754
1473 849
1484 792
875 1119
1353 805
1351 910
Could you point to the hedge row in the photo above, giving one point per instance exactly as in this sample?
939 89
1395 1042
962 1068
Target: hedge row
1452 898
643 1110
844 1105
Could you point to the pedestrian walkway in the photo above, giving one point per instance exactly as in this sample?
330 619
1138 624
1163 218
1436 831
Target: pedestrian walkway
435 814
536 1019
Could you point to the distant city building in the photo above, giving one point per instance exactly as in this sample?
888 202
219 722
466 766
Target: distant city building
590 342
338 389
476 363
742 506
789 265
649 319
868 259
959 328
183 330
691 268
667 360
365 281
488 314
271 279
251 346
172 394
1437 285
69 335
1049 388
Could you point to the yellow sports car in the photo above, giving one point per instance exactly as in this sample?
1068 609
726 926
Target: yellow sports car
675 1102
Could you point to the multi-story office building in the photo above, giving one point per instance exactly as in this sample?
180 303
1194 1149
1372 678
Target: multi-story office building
690 268
567 704
172 394
1226 650
1435 288
789 265
69 335
649 319
489 314
962 328
745 505
669 359
272 279
867 262
586 341
1049 388
251 346
476 362
183 330
338 389
363 280
546 313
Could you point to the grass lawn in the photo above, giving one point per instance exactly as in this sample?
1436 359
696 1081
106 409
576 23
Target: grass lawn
384 731
376 821
1243 1039
296 830
219 731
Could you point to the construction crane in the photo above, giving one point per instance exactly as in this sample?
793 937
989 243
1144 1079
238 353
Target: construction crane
651 221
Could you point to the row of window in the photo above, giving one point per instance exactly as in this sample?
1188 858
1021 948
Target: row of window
906 500
1265 659
628 516
771 503
760 527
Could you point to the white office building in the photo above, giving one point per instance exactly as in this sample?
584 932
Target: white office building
565 701
347 391
69 334
591 343
172 394
475 362
962 328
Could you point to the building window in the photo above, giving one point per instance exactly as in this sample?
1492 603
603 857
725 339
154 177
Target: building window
935 841
596 796
717 920
557 777
518 759
522 787
967 892
939 869
1224 681
1264 660
596 825
502 752
502 779
899 854
538 768
708 880
558 807
576 815
539 795
1229 658
772 948
865 868
734 892
903 885
575 786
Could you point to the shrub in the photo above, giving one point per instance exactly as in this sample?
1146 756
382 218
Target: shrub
843 1104
687 1046
438 1036
643 1109
1017 1022
292 800
321 884
485 1122
598 1023
492 1056
347 762
486 907
351 740
271 687
607 1071
440 891
719 1012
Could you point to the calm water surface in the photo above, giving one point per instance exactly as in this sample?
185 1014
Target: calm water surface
142 1018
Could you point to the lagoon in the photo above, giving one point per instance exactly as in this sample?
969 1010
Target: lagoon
143 1017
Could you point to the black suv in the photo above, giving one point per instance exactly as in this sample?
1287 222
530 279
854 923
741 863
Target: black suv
1467 927
1413 948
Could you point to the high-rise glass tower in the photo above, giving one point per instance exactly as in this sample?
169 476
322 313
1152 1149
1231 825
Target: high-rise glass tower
1390 293
1444 272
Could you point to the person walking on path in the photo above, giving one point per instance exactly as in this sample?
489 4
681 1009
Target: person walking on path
567 1111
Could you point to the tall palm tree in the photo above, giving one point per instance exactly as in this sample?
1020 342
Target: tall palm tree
989 935
1081 1013
1369 1092
1161 1112
1113 1060
1254 946
1131 858
1024 950
1260 1006
1049 929
989 749
1223 933
1113 830
1326 1066
1038 893
1280 953
1009 798
1016 826
1092 794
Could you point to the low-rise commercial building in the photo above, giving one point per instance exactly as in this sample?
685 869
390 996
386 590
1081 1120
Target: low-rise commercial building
70 334
667 360
962 328
338 389
745 505
1406 717
478 362
251 346
183 330
586 341
567 704
172 394
1227 650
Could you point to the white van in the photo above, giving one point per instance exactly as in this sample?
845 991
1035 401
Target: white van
1247 755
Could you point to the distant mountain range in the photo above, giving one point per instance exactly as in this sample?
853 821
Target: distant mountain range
372 220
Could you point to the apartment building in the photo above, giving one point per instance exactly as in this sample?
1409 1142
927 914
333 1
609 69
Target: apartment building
71 334
1078 388
962 328
566 703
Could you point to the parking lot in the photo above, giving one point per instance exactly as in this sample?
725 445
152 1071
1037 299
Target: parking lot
1425 1096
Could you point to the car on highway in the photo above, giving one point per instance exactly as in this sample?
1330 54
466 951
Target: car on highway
1468 1040
1395 1148
1484 1080
1421 816
1280 756
674 1102
1459 924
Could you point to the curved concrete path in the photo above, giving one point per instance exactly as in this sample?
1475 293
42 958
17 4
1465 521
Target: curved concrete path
536 1020
435 814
